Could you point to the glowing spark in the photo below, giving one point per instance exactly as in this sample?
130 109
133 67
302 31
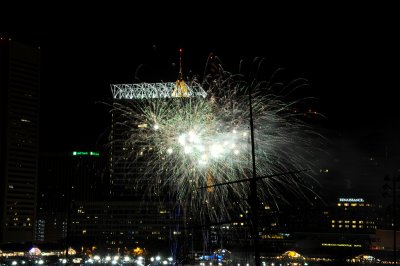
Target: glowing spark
207 141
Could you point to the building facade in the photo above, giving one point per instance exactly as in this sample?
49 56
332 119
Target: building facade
150 219
128 161
125 224
19 139
66 177
354 215
125 174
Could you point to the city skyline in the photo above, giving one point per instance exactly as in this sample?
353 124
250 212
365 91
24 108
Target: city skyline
359 109
346 62
89 167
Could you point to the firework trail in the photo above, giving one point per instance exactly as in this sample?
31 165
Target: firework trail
189 143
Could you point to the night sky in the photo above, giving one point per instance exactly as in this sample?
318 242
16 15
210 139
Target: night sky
346 53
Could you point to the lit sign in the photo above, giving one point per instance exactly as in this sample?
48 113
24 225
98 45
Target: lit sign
85 153
346 245
351 200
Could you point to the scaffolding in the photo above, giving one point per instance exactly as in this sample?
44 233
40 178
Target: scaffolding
157 90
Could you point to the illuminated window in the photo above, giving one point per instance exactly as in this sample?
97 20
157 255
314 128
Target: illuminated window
346 222
333 221
340 221
353 204
360 226
339 204
345 204
361 204
354 222
340 226
347 226
360 222
354 226
333 226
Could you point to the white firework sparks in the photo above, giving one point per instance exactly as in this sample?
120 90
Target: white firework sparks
189 143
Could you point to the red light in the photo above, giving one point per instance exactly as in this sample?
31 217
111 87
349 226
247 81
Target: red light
180 50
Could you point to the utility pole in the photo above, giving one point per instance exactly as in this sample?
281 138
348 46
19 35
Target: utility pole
253 190
253 198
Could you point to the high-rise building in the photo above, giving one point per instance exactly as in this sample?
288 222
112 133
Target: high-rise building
19 139
66 177
128 174
355 215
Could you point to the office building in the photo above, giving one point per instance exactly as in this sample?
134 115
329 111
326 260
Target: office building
19 139
66 177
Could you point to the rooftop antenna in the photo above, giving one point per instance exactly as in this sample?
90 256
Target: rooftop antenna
180 74
181 89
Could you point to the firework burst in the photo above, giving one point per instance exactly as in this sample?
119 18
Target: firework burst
189 143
